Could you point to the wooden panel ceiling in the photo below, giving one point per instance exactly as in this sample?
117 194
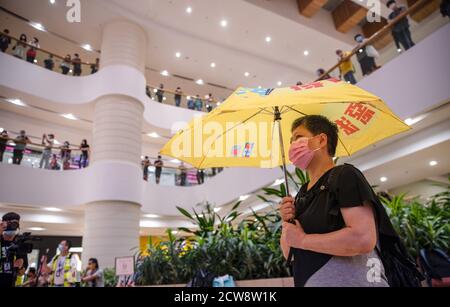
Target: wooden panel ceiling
424 10
310 7
347 15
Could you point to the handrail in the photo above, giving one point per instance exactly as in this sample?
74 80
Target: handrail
182 94
43 50
374 37
41 145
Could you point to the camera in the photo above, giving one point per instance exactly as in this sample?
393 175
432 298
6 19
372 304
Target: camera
21 244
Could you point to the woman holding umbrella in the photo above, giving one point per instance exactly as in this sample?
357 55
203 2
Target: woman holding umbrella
334 238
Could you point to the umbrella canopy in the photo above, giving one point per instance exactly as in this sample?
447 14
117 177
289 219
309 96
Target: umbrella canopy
244 130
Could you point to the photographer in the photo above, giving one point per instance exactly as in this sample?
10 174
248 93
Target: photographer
11 260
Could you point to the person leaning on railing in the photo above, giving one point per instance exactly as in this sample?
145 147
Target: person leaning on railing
48 142
5 40
366 56
65 65
21 142
158 168
19 48
400 31
76 61
3 140
346 68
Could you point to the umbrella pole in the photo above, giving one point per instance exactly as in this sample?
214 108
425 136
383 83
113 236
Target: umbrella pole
277 118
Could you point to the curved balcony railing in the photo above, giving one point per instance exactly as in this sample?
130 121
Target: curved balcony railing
33 157
60 157
47 59
389 53
59 64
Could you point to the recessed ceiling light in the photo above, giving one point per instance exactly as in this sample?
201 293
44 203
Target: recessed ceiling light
306 52
175 161
224 23
259 86
1 130
87 47
52 1
178 55
412 121
153 135
189 10
217 209
52 209
243 197
279 83
164 98
174 232
71 71
278 182
218 103
165 73
35 61
17 102
199 82
247 74
213 65
268 39
69 116
188 97
383 179
36 228
152 216
433 163
155 90
37 26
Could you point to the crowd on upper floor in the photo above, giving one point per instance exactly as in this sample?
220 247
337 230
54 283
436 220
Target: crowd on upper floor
366 56
27 50
52 157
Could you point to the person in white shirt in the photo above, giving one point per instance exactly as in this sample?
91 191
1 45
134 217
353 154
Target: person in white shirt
64 267
94 275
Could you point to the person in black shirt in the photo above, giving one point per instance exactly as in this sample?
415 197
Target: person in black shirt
84 157
160 93
3 141
158 168
400 31
95 66
10 264
76 61
334 236
4 40
177 96
49 63
445 8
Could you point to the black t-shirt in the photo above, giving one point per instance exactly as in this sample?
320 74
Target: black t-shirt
319 212
402 24
7 264
85 152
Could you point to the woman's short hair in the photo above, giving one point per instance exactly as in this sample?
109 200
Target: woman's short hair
318 124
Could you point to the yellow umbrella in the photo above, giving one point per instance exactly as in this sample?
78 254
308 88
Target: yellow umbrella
252 127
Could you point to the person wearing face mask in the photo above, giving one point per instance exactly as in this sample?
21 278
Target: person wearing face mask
48 142
10 263
366 56
331 229
94 275
64 267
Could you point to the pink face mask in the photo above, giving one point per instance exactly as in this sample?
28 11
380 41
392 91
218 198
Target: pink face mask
300 154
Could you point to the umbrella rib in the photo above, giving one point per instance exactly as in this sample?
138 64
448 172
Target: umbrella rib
238 124
342 143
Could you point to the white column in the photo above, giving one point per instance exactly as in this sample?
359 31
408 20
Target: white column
112 225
